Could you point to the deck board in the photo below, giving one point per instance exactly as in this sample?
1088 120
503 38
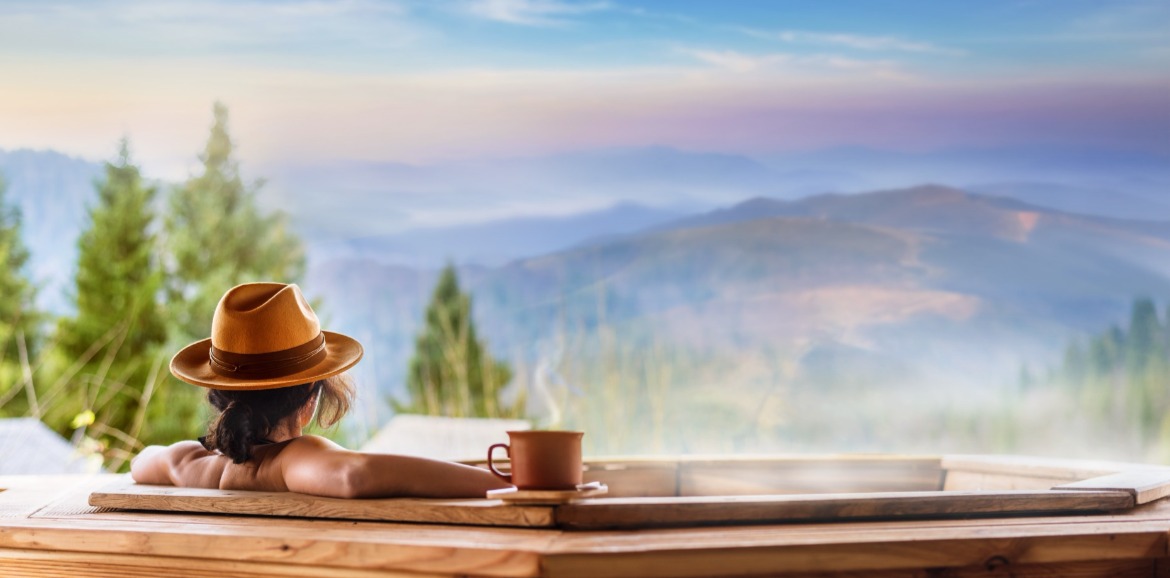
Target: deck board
125 494
655 512
1145 485
51 530
641 512
895 552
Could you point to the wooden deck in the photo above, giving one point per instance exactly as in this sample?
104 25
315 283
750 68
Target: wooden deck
48 528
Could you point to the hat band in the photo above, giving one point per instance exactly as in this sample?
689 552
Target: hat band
268 365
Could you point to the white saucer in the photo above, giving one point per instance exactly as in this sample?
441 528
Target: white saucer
549 497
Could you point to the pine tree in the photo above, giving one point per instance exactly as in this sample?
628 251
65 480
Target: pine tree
451 372
217 238
1124 376
19 320
1145 336
119 324
17 293
1073 371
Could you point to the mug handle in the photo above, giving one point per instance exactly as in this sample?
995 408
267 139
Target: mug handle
492 467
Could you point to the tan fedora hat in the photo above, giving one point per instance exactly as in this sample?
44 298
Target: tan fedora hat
264 336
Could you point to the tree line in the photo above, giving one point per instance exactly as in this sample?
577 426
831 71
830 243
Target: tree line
147 284
1121 375
144 286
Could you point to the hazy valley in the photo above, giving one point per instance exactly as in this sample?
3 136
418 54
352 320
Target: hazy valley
739 310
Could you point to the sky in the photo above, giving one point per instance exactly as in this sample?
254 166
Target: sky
313 82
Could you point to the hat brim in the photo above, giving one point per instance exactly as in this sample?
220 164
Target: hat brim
192 365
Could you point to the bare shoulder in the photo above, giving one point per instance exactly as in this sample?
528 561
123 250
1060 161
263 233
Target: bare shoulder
184 463
311 444
188 449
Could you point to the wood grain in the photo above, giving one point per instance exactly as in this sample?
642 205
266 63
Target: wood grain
23 499
1145 485
875 552
57 533
33 563
390 548
659 512
127 495
1086 569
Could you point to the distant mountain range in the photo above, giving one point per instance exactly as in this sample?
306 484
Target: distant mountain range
1150 205
494 242
911 284
1142 174
344 200
832 283
52 191
925 285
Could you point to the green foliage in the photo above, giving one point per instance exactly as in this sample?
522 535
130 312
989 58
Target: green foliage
1123 378
18 313
138 298
119 325
217 238
451 373
19 320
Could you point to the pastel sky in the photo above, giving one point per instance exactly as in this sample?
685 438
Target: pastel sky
405 81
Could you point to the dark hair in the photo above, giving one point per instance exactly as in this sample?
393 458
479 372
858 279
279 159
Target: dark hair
248 417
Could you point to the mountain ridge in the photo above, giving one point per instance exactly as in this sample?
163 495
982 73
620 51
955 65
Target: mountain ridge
995 287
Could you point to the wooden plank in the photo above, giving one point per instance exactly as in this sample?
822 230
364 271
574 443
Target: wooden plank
1034 467
658 512
1145 485
808 475
1085 569
740 555
30 563
25 495
860 547
1080 569
459 550
125 494
628 479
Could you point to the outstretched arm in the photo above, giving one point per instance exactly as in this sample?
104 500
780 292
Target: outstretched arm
314 465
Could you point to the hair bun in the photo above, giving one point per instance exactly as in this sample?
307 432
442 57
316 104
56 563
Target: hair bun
235 433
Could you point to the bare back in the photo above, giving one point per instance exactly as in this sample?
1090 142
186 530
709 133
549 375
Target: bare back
312 465
189 464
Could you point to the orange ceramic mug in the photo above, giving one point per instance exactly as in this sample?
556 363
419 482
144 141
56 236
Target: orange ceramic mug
541 460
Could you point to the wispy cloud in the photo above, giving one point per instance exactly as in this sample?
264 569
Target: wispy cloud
735 61
532 12
740 62
855 41
141 29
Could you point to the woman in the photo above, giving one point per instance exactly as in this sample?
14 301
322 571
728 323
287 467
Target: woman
267 367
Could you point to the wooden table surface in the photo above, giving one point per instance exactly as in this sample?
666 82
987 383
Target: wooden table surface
47 528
